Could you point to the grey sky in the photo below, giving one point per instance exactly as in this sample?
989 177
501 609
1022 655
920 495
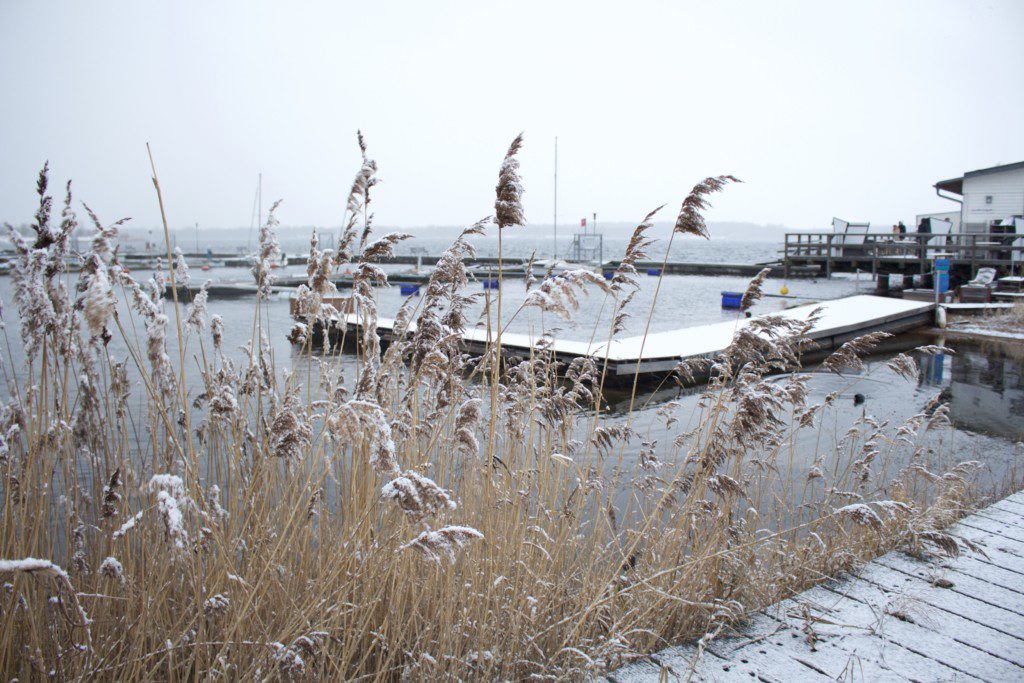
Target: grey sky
851 109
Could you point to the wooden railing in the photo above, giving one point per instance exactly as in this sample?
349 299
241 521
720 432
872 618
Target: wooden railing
977 249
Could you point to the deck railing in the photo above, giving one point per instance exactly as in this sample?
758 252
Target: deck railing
974 249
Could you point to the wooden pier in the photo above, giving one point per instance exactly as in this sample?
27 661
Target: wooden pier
910 254
898 618
659 353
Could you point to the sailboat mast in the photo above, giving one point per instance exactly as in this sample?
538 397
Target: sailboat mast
555 221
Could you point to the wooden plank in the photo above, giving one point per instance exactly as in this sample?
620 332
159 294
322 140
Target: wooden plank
968 607
686 663
993 527
1016 499
998 550
749 655
947 638
847 643
976 566
962 583
1001 516
676 663
971 531
1008 506
648 670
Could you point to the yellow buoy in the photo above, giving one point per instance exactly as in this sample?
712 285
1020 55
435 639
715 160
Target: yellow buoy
784 291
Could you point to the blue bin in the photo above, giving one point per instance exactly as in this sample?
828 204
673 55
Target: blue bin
609 274
490 284
654 272
942 274
732 299
409 289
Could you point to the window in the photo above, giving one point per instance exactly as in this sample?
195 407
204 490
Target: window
988 199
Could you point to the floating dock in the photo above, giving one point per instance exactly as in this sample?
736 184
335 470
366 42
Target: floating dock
659 353
897 618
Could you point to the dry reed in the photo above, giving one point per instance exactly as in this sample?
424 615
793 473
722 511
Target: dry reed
429 517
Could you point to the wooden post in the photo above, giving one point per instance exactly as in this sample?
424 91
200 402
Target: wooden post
974 255
785 256
828 256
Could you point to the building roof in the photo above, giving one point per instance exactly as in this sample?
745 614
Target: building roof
956 185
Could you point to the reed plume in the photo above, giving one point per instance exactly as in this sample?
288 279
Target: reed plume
508 203
690 220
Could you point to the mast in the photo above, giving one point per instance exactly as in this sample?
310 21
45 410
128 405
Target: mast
555 221
257 209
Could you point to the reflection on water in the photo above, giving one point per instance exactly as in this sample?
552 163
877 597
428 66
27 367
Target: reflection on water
984 386
982 383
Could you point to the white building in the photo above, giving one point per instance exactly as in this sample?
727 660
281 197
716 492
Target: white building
989 196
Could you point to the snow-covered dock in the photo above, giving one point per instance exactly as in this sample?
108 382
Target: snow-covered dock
660 352
898 618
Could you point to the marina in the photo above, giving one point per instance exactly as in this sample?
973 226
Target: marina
650 342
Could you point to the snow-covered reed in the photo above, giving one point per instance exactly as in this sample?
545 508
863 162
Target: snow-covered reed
430 516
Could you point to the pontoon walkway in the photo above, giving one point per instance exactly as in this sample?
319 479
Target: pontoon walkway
840 320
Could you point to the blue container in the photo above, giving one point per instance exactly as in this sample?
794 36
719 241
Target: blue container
609 274
942 272
732 299
409 289
490 284
655 272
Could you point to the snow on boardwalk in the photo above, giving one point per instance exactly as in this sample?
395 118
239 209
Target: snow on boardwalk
841 320
896 619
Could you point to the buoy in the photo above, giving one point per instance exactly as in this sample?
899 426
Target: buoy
940 317
784 291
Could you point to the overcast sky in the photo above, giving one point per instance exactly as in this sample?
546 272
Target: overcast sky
852 109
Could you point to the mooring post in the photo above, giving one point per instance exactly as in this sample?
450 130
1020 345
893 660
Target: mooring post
828 256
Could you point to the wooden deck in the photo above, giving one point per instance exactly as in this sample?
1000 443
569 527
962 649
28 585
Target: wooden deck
896 619
908 255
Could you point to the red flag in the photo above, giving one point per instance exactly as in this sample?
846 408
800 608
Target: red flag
583 222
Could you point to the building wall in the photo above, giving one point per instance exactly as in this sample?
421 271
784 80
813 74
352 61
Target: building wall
1006 190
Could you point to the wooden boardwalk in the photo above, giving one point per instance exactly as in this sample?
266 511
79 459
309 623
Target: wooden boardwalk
896 619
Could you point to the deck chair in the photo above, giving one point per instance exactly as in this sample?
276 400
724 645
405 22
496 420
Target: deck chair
940 232
979 290
852 242
984 277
